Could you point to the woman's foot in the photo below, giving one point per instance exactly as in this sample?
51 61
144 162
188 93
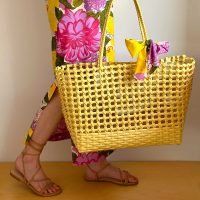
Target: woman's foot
28 165
105 169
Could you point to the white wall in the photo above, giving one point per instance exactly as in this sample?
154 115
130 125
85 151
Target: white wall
26 72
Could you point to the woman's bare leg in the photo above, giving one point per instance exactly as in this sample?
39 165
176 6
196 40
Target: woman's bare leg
46 125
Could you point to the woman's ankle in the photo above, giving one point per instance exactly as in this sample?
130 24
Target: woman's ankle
98 165
29 154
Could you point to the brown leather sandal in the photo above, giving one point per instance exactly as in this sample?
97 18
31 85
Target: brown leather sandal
15 173
121 181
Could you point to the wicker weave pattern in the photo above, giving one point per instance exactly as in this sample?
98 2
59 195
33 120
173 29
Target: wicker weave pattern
109 109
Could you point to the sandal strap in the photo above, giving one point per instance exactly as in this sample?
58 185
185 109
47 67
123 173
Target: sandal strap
127 175
30 154
92 170
104 167
121 176
125 181
47 186
33 176
36 146
40 180
134 177
97 172
37 180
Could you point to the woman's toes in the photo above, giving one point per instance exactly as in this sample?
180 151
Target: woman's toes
45 192
50 190
57 187
133 179
54 189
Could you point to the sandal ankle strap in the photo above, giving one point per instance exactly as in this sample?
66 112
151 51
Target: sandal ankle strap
97 172
36 146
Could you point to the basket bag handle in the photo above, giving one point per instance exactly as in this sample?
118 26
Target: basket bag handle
146 50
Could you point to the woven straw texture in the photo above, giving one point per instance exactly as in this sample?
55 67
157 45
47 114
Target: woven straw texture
105 108
109 109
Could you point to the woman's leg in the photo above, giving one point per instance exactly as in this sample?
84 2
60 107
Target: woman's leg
46 125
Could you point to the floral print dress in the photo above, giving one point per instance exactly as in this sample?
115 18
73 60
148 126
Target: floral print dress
76 32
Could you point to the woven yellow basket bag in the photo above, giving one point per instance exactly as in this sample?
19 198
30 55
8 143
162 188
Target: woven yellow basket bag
106 108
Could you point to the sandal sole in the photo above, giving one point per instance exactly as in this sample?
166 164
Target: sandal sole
111 181
19 177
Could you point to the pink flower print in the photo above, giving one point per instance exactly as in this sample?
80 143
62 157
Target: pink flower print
95 5
36 118
156 49
78 36
61 127
61 132
85 158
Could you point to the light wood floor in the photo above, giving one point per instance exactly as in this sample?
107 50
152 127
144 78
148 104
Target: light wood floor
158 181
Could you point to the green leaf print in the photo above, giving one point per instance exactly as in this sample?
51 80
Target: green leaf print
53 43
58 13
153 69
77 3
66 4
28 138
59 60
111 14
103 15
102 20
95 15
107 40
46 98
